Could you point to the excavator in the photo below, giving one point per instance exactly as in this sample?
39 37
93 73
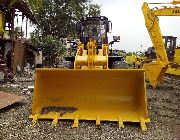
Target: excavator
92 91
161 64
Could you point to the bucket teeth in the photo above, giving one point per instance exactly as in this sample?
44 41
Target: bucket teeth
35 119
120 122
98 121
142 123
76 121
55 120
108 98
55 116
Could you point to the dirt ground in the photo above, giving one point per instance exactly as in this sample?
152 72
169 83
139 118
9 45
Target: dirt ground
163 108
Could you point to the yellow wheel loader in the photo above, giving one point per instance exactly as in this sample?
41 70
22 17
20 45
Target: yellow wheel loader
92 91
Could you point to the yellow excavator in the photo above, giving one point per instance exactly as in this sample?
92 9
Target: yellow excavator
92 91
152 25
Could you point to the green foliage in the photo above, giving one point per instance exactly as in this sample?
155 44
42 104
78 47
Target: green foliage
12 2
51 46
129 54
59 18
35 4
18 32
93 10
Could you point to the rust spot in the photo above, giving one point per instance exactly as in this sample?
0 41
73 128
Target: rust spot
7 99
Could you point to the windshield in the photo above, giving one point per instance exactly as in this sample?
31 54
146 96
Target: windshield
95 29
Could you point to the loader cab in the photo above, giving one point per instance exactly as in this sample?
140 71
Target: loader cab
170 45
94 27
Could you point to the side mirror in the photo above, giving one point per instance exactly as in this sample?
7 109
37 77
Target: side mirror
116 38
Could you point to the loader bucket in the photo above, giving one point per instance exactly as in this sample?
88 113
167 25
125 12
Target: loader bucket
100 95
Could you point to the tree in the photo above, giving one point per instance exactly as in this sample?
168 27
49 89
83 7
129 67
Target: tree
56 20
93 10
59 18
51 46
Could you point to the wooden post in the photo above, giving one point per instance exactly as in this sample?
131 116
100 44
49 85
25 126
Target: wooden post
12 41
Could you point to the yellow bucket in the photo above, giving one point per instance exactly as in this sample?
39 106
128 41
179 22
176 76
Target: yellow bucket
100 95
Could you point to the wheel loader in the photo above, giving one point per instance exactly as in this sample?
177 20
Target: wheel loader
93 91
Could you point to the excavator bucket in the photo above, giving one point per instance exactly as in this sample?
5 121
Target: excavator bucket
100 95
155 72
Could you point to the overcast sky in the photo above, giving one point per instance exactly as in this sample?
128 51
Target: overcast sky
128 22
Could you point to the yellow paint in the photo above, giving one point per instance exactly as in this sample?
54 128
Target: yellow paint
89 59
173 71
135 61
156 70
176 2
56 118
76 121
1 23
174 67
99 95
177 56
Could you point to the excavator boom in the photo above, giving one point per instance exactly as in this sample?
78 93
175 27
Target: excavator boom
156 70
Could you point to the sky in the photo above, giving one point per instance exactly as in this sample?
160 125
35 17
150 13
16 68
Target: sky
128 23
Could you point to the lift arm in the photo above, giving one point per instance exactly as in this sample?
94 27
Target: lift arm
156 70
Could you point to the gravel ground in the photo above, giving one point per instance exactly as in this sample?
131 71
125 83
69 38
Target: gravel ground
163 108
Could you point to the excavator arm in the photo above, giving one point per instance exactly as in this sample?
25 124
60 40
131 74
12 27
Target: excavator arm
156 70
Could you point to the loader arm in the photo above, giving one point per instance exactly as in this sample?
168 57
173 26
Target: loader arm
156 70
